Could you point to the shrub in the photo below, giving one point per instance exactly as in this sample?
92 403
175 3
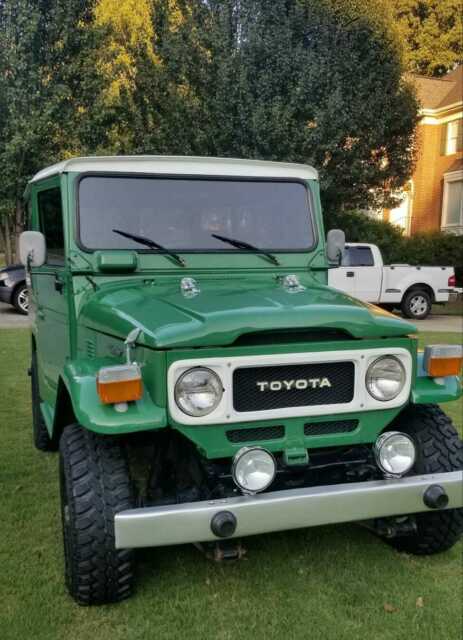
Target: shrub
433 248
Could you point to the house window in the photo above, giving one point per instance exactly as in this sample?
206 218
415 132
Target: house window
452 204
452 138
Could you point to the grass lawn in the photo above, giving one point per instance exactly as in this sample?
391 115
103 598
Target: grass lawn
329 583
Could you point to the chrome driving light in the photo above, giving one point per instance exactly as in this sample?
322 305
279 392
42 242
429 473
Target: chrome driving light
198 391
253 469
385 378
395 453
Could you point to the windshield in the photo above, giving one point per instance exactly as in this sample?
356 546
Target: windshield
188 214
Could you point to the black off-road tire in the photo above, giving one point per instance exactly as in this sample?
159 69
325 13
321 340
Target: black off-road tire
21 299
416 304
95 485
439 449
42 440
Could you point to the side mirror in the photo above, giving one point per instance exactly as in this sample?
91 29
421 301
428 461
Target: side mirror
335 242
32 249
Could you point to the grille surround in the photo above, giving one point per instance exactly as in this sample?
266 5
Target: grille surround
247 395
226 364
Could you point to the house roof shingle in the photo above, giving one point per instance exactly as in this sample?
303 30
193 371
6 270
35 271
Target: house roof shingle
437 93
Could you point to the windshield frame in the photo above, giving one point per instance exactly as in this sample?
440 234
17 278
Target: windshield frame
176 176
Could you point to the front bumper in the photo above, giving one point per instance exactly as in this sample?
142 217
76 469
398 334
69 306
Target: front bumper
281 510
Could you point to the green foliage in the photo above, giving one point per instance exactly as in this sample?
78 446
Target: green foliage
433 249
436 248
49 90
319 83
432 31
359 227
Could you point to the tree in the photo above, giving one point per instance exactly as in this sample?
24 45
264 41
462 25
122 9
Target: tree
314 82
432 31
49 89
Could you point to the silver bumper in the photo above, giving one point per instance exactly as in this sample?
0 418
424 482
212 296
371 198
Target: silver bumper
280 510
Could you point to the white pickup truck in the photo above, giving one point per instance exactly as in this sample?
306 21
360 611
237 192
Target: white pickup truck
363 275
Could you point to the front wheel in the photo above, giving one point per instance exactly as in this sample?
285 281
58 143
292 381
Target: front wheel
21 299
95 485
439 449
416 305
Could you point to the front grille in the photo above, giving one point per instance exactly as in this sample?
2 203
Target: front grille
253 391
323 428
257 433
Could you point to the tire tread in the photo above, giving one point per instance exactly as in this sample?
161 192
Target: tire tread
97 469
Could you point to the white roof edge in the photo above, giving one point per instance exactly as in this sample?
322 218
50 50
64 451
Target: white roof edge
181 165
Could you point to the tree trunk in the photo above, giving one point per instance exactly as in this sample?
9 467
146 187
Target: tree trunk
7 240
18 225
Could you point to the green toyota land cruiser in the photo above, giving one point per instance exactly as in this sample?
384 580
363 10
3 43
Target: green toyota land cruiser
203 383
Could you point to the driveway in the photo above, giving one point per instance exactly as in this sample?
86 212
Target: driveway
441 323
9 318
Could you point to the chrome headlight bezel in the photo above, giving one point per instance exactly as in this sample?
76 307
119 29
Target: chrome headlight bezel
383 446
217 387
250 453
400 377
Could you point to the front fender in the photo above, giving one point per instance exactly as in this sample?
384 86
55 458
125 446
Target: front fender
434 390
79 378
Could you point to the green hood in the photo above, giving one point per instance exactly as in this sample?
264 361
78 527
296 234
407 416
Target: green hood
228 308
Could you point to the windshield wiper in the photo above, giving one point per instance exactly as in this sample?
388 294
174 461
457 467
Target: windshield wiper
152 244
241 244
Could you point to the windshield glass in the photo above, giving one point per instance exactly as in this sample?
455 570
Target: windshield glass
185 214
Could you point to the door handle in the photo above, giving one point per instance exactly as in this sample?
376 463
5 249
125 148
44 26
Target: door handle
40 314
59 284
350 274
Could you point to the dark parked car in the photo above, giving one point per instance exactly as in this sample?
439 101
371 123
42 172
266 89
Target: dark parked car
13 287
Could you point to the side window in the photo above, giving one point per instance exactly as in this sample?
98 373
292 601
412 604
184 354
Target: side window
51 223
357 257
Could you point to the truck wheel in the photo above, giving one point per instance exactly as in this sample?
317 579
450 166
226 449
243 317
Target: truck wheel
42 440
21 299
95 485
416 304
439 449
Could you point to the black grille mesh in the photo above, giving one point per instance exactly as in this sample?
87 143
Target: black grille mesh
323 428
248 397
257 433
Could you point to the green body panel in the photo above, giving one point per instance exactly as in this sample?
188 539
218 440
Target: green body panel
430 390
228 308
80 326
80 380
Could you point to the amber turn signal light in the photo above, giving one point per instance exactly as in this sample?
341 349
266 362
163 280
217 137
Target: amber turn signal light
121 383
442 360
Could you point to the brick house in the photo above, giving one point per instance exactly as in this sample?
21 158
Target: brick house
433 199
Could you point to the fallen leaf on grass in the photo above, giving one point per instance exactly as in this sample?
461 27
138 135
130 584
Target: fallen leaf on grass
389 608
419 603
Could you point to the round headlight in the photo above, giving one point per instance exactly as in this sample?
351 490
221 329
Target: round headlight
198 391
253 469
385 378
395 453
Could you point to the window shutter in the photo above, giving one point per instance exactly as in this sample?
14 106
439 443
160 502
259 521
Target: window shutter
443 140
460 134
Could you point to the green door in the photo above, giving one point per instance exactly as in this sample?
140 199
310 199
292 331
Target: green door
49 286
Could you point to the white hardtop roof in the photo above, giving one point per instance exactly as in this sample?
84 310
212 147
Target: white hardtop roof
181 165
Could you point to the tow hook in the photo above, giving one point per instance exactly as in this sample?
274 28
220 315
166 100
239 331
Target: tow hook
222 550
